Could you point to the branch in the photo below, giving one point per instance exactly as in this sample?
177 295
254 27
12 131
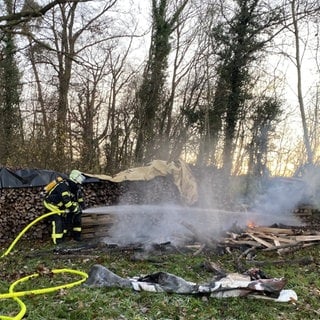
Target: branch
35 13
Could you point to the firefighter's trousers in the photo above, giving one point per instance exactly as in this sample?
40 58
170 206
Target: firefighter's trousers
62 223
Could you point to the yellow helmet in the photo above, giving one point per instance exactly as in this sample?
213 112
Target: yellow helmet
76 176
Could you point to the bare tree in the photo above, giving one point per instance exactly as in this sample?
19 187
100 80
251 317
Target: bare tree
115 128
30 10
69 27
306 137
84 113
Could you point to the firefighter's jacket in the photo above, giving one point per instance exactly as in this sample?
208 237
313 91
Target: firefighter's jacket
65 195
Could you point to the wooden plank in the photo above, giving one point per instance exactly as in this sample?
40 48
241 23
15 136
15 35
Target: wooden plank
87 230
92 216
242 242
96 222
88 236
307 238
285 246
270 230
259 240
276 238
101 233
276 242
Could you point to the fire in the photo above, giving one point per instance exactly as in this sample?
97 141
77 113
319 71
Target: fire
251 224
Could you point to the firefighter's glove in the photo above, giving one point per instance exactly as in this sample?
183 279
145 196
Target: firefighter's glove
76 208
65 212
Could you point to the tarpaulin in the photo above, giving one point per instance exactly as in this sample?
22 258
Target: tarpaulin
26 177
232 285
179 170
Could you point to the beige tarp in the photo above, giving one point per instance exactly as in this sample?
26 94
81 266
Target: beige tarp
179 170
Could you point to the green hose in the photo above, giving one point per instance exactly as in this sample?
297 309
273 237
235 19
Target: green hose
15 295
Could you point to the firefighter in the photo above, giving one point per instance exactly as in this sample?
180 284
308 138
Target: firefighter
66 195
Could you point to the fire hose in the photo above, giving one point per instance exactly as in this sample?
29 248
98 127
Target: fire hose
15 295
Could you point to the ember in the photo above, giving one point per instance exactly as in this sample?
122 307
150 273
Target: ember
251 224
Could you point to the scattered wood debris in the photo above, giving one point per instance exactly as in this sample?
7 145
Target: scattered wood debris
280 239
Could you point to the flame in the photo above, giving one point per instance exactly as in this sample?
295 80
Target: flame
251 224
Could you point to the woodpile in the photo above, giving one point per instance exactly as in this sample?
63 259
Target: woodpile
96 226
155 191
20 206
305 210
211 181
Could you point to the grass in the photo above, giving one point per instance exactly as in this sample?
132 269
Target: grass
81 302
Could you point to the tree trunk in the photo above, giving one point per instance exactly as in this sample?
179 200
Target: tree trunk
306 137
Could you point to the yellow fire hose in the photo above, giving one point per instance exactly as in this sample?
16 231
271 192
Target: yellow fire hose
16 294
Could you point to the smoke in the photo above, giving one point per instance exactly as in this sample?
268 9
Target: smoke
148 224
156 224
282 195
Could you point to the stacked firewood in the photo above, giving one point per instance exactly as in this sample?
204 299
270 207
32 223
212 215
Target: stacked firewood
155 191
20 206
96 226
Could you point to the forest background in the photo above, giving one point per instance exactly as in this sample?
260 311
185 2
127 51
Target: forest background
107 85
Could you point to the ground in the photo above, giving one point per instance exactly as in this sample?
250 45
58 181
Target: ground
300 268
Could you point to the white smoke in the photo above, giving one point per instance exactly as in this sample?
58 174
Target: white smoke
156 224
152 224
282 196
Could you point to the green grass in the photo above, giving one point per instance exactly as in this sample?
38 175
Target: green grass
81 302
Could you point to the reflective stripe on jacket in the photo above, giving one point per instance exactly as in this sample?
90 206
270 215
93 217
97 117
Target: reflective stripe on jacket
65 195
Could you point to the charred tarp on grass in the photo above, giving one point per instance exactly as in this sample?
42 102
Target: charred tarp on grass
233 285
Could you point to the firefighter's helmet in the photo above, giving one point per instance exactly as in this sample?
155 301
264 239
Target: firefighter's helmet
76 176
